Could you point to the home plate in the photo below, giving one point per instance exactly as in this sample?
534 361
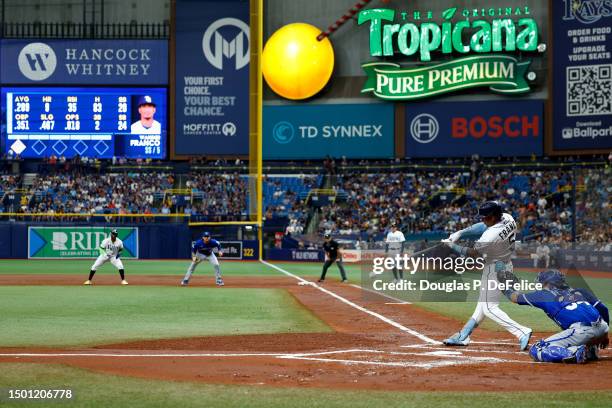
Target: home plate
442 353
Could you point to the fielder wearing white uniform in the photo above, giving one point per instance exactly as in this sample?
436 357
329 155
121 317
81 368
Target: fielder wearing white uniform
110 250
495 245
395 243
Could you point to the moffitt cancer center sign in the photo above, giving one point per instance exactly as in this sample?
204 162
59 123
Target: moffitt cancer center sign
489 34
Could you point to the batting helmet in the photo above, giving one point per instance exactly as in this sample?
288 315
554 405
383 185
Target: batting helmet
552 277
326 236
490 208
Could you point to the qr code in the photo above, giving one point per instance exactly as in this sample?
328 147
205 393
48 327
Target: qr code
589 90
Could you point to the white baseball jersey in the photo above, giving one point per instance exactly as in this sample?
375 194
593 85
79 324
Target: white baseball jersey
111 248
542 250
497 242
395 239
138 129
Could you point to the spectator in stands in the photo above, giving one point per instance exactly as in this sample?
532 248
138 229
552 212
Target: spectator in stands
542 254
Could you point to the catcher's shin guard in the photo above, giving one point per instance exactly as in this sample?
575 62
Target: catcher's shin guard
545 352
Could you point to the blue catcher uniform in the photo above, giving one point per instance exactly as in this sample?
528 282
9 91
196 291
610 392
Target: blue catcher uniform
201 250
582 316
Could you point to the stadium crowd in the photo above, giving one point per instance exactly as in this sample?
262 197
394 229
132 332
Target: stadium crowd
540 201
373 201
419 199
67 193
217 197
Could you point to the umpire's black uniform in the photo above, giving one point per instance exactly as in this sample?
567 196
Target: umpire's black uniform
331 248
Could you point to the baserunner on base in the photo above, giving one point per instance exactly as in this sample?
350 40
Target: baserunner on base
110 251
201 250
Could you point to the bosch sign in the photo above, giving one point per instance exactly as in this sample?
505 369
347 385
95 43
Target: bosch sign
496 126
508 128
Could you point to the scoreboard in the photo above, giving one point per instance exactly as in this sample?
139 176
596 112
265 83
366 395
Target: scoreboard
91 122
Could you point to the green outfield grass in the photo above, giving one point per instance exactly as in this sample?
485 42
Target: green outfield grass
459 310
79 315
97 390
163 267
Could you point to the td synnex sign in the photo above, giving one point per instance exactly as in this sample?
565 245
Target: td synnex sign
314 131
485 128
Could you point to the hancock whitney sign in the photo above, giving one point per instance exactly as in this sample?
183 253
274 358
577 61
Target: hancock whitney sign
110 62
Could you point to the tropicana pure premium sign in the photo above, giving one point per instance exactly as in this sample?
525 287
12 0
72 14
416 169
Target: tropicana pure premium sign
488 38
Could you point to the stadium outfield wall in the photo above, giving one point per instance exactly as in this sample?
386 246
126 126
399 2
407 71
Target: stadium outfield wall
20 240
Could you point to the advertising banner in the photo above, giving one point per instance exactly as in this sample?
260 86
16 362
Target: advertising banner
84 62
315 131
231 249
490 40
582 72
489 129
212 77
77 242
298 255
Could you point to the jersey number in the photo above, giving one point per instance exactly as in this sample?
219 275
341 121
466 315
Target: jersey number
574 306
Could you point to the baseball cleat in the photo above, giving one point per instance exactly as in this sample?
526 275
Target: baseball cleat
344 280
455 340
579 357
220 282
185 282
87 282
524 341
124 282
321 280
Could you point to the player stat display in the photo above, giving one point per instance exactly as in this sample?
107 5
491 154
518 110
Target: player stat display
91 122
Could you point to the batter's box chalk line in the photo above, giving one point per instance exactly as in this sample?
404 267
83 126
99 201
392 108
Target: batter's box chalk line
369 357
462 349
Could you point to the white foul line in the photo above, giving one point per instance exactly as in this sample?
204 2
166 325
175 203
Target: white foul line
400 302
451 358
463 349
141 355
356 306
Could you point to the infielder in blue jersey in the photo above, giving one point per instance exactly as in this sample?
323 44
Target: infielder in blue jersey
583 318
202 249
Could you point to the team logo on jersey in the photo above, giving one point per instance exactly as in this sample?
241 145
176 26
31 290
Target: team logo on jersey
283 132
237 48
424 128
228 129
587 11
37 61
